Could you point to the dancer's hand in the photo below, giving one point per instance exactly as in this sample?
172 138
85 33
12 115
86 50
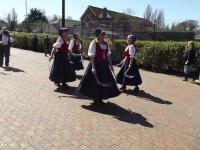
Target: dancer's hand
118 65
50 58
94 71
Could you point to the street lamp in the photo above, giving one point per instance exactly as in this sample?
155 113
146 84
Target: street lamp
63 13
26 7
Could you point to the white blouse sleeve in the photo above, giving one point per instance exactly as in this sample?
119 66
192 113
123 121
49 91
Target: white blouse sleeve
109 52
58 43
132 51
71 44
80 46
92 49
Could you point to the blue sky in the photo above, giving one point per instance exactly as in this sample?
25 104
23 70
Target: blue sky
174 10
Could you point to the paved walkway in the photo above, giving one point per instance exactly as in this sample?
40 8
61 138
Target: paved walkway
165 115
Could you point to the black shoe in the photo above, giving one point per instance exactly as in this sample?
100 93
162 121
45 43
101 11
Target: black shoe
123 88
65 86
136 89
184 79
58 84
98 102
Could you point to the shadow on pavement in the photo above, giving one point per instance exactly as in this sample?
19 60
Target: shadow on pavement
3 73
13 69
142 94
70 93
119 113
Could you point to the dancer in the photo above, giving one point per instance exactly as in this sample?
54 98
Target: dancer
61 71
129 73
75 52
98 82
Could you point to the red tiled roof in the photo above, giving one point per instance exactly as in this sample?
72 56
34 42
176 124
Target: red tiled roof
113 14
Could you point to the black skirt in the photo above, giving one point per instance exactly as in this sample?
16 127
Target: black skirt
132 76
91 88
61 70
76 62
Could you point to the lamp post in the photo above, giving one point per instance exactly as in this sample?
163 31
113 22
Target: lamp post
63 13
26 7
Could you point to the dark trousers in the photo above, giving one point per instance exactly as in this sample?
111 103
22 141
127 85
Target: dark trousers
4 52
35 47
47 50
190 75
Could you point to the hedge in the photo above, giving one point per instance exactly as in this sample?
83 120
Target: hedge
153 55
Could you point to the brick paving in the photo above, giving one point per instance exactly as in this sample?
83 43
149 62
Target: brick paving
36 116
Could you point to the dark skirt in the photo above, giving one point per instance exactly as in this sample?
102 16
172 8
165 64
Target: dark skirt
89 86
133 76
76 62
61 70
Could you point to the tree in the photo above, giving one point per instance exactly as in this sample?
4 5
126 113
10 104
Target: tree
185 26
13 22
192 25
148 12
129 12
160 21
157 17
55 18
12 19
9 19
173 27
35 16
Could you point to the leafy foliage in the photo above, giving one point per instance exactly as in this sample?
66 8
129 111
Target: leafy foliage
35 15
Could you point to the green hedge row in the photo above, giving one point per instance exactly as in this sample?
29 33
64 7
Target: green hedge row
23 41
153 55
160 56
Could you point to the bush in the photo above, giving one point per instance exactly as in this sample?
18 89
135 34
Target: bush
153 55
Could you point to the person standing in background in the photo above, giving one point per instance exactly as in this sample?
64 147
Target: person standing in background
5 44
47 45
35 42
189 61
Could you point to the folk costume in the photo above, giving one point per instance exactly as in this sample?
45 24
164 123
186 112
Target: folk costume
75 53
129 73
100 85
61 70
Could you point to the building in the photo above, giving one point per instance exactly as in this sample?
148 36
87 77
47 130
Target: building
113 22
52 27
72 25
